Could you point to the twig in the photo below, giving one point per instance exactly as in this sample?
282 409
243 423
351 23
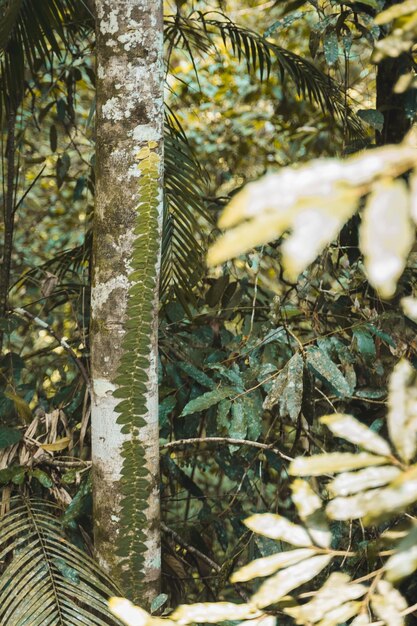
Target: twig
181 542
226 440
62 342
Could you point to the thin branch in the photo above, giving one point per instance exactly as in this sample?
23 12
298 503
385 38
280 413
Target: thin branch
181 542
62 342
225 440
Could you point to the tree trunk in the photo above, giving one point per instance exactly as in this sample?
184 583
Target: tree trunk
126 260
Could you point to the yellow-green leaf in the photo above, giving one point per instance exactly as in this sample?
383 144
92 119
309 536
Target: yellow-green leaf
270 564
23 409
276 587
278 527
332 463
56 446
394 12
351 429
386 234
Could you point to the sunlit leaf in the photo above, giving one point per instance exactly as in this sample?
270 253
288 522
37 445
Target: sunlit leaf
398 10
377 504
333 463
278 527
388 603
409 306
404 561
402 409
322 365
335 592
351 429
274 588
369 478
309 507
270 564
56 446
213 612
386 234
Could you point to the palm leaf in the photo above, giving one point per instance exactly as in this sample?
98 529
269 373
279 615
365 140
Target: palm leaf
260 54
45 580
31 33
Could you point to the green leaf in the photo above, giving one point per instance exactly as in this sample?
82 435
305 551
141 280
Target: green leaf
365 344
372 117
42 477
9 436
331 47
206 400
327 371
197 375
287 389
238 427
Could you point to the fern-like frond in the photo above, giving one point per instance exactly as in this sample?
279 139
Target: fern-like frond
45 580
260 54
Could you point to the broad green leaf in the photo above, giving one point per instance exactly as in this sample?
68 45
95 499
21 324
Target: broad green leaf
270 564
9 436
351 482
309 507
333 463
274 588
372 117
197 375
404 561
287 389
402 409
326 370
238 427
223 419
331 47
349 428
206 400
42 477
388 603
365 344
336 591
213 612
377 504
386 234
278 527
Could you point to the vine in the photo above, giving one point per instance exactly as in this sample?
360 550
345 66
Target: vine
133 375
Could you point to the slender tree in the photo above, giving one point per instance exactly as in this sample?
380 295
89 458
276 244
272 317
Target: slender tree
126 259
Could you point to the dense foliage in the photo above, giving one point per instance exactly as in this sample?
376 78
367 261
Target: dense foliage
253 352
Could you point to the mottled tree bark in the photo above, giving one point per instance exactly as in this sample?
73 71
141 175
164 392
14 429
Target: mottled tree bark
129 118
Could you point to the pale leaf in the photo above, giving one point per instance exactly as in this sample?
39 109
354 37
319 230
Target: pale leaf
402 409
388 603
135 616
351 482
276 587
409 306
404 561
386 234
309 507
278 527
332 463
336 590
265 620
213 612
377 504
341 614
351 429
313 229
361 620
270 564
413 196
59 444
394 12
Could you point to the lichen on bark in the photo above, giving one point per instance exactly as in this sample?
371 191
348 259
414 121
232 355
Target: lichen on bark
129 121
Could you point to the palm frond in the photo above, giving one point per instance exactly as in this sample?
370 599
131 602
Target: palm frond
186 213
31 33
259 54
45 580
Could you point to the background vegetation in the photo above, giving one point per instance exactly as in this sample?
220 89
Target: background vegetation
250 356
